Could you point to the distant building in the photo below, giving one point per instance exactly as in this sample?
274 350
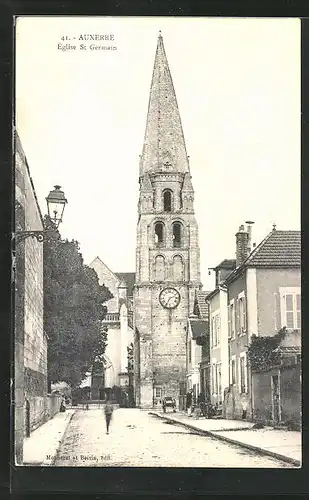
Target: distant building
201 311
119 322
196 332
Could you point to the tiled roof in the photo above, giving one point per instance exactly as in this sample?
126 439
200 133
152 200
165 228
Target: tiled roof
129 278
211 294
202 304
278 249
227 264
198 327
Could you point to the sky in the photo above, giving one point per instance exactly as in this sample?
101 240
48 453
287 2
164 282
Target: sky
81 117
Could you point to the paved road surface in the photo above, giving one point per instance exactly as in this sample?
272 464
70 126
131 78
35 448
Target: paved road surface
139 439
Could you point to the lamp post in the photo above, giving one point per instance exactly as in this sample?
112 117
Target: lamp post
56 202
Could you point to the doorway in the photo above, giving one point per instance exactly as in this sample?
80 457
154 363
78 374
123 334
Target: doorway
275 398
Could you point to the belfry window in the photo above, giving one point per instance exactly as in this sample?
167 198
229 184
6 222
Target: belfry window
167 200
159 231
177 235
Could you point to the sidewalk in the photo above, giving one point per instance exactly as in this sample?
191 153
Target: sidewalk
42 445
282 444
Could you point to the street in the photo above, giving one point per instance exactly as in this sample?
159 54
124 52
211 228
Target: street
137 439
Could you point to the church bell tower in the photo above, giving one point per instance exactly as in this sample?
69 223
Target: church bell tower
167 247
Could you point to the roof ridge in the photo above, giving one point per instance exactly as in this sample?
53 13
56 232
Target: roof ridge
256 250
99 258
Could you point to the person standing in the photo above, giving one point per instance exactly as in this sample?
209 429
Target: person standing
189 403
108 410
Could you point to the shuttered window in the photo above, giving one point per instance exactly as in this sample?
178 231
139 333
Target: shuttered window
290 308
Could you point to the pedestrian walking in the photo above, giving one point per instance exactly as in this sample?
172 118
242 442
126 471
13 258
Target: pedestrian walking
108 410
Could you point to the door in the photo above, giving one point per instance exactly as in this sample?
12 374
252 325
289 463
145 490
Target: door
275 398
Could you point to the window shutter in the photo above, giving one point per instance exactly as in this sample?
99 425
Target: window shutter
229 322
298 311
237 318
233 320
217 327
244 314
283 311
246 373
239 375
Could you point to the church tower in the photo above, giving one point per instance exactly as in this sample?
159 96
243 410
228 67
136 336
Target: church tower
167 249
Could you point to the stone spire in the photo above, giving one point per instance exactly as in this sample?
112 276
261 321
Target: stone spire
164 147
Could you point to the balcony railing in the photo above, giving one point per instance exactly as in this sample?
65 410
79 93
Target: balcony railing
111 318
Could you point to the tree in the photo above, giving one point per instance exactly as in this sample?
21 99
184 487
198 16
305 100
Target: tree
73 309
261 351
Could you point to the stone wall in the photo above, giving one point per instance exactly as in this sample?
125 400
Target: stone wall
162 347
41 409
261 395
236 406
290 395
30 342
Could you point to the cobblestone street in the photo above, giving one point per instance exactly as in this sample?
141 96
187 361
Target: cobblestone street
138 439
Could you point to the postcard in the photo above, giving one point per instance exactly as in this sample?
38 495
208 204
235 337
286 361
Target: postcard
157 242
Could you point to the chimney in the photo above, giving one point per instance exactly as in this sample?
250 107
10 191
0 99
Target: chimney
242 238
249 231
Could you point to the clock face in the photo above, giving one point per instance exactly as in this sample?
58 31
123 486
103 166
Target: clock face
169 298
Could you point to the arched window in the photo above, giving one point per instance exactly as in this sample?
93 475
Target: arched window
167 200
159 268
177 234
159 234
178 268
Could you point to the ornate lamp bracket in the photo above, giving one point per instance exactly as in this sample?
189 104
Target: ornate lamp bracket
22 235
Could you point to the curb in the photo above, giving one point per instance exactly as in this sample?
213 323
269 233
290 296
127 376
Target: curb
60 442
250 447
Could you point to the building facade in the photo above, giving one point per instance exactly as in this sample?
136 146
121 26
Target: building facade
201 310
167 250
119 325
196 336
264 295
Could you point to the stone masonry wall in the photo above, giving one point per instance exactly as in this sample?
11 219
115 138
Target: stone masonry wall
290 395
35 347
42 408
31 343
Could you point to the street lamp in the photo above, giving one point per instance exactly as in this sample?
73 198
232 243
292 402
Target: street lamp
56 202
